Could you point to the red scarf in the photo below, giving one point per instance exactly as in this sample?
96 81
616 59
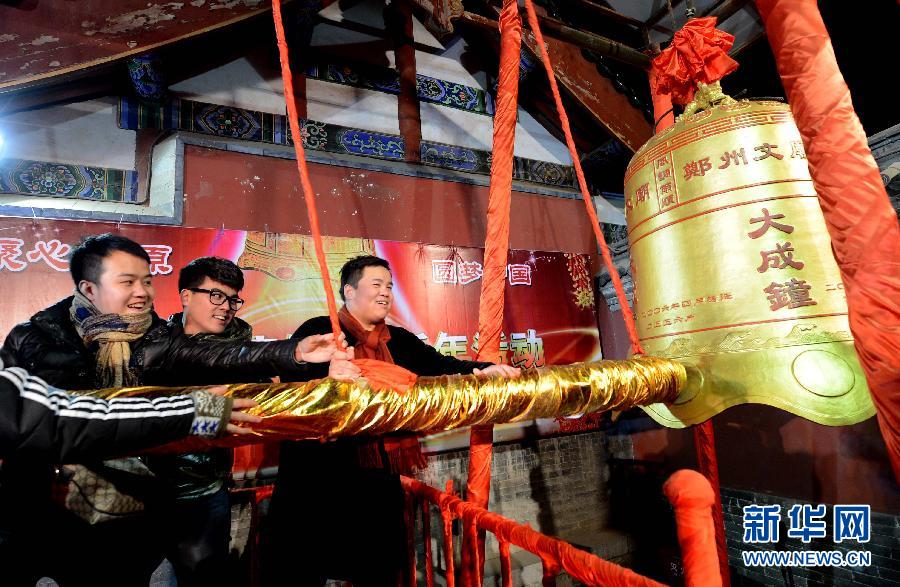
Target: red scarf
370 344
404 454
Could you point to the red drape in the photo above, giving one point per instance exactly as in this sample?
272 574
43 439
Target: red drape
496 246
698 53
865 235
692 497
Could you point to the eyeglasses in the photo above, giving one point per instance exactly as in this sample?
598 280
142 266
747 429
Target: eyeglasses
217 297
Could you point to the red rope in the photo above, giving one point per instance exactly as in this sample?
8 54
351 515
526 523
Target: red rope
585 194
705 443
496 248
305 183
865 234
581 565
496 243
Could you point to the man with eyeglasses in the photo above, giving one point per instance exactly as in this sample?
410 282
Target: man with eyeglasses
107 335
198 519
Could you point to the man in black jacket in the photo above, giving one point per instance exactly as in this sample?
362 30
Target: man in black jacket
107 335
345 520
80 342
199 532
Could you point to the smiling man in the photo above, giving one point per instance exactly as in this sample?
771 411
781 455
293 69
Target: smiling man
107 335
205 285
355 529
199 516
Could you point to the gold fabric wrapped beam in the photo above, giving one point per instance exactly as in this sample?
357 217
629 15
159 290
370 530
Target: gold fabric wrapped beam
325 408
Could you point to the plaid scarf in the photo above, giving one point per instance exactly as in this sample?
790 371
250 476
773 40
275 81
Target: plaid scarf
113 332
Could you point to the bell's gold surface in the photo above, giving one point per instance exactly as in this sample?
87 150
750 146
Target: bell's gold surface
733 269
326 408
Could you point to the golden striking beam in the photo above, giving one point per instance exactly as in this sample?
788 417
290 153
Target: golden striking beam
326 408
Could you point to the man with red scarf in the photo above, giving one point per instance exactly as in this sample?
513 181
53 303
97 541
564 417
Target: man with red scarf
337 510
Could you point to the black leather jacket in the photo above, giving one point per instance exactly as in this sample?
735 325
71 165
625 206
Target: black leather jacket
49 346
194 475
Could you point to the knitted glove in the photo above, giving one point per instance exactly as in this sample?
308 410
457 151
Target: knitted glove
212 413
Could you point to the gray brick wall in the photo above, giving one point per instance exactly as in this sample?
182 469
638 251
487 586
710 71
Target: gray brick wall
884 546
558 485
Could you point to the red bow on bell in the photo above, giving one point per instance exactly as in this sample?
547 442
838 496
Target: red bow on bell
698 53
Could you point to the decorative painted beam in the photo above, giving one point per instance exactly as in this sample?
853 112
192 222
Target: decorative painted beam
398 22
596 93
147 79
385 79
585 40
251 125
22 177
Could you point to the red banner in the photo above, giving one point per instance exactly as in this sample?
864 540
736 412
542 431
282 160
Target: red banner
549 317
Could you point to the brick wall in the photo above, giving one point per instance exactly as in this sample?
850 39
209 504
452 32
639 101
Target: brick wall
558 485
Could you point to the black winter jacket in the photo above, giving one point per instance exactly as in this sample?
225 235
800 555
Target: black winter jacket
49 346
193 475
169 357
406 350
40 425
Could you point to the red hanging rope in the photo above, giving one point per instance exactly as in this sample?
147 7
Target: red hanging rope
308 194
627 315
496 242
379 374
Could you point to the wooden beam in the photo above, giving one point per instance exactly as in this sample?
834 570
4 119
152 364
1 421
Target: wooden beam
725 9
584 83
398 22
610 14
558 30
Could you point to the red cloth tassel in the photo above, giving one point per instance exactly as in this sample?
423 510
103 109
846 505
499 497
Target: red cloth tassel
698 53
383 376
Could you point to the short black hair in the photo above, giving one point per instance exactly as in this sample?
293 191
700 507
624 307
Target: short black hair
86 262
353 269
216 268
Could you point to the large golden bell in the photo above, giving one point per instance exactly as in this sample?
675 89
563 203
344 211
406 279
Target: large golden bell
733 269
